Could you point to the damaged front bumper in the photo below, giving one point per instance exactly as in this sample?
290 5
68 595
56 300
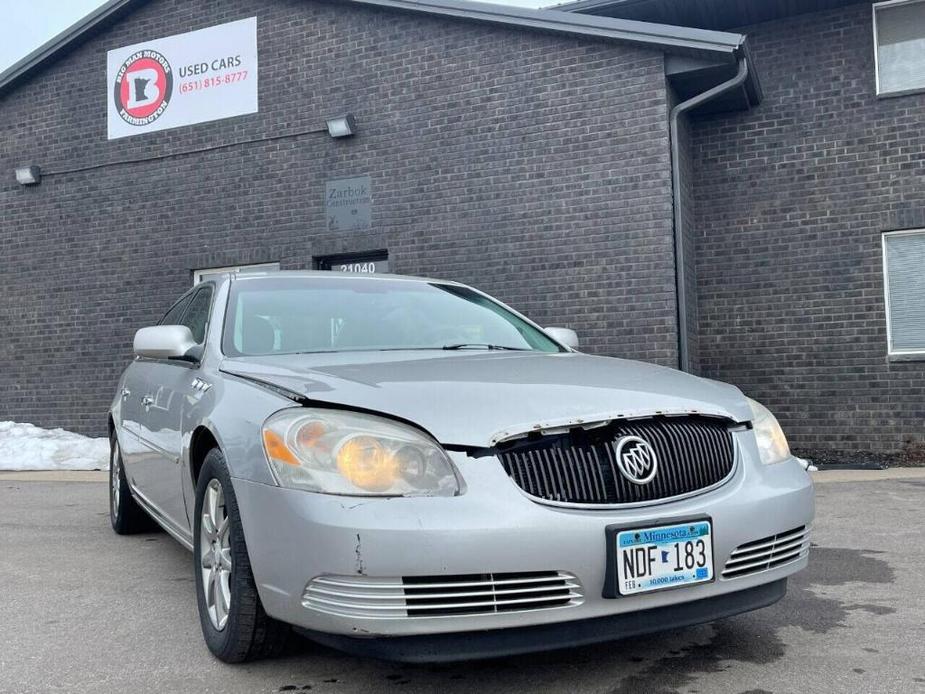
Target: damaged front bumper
368 551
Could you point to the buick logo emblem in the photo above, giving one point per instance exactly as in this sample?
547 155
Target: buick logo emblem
636 459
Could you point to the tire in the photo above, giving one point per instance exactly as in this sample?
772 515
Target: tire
241 631
126 516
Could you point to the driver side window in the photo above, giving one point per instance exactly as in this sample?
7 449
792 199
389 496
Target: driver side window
172 317
196 317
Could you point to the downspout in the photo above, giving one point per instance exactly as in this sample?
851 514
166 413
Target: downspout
681 289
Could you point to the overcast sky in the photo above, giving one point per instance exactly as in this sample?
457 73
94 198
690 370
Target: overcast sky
27 24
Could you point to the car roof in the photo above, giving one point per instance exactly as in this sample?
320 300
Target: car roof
331 275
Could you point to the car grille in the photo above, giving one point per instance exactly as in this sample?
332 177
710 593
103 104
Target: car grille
694 453
441 596
768 553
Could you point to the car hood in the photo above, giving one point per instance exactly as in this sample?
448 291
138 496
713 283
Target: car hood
479 398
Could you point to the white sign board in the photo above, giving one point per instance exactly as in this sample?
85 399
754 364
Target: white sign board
184 79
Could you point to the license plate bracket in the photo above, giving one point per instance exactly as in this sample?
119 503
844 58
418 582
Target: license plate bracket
612 584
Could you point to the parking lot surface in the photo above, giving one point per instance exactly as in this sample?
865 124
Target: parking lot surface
83 610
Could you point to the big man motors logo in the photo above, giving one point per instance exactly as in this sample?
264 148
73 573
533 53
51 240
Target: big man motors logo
143 87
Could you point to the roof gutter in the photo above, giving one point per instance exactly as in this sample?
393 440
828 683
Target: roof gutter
680 271
674 39
662 36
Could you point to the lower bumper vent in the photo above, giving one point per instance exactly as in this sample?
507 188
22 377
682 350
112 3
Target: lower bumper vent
442 596
768 553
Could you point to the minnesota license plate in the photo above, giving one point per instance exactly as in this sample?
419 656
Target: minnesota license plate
665 556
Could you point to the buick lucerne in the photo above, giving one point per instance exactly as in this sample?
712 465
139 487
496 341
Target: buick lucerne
410 469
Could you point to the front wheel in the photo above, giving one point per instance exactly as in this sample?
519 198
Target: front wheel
234 624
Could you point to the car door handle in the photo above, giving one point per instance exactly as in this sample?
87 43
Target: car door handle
147 401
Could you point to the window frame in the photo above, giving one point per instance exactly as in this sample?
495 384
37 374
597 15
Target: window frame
270 266
207 286
191 293
874 8
898 354
188 293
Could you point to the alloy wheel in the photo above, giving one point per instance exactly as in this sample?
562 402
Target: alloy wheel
115 478
215 554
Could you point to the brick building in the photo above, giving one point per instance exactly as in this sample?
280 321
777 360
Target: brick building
795 202
561 161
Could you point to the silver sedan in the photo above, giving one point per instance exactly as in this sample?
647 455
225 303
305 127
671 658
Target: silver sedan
410 469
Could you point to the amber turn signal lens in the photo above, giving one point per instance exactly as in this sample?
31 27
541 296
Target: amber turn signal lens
277 449
367 464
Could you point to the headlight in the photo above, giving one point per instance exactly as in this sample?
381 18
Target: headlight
355 454
772 444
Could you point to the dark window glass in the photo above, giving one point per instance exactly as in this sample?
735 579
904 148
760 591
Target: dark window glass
900 47
343 314
197 315
172 317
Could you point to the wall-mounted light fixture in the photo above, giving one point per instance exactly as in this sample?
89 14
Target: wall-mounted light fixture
28 175
342 126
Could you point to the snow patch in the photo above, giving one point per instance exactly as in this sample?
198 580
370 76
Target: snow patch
28 447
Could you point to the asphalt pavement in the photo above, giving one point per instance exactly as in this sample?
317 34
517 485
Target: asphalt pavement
83 610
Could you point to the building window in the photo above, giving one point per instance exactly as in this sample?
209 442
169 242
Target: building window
212 272
899 39
904 283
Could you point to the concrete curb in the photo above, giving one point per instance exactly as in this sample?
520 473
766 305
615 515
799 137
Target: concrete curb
895 473
55 476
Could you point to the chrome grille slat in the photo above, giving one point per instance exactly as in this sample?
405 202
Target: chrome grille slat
440 596
664 437
677 442
761 544
543 469
532 475
777 547
569 595
706 452
695 452
764 563
767 553
699 450
581 474
600 471
555 478
438 583
498 582
463 594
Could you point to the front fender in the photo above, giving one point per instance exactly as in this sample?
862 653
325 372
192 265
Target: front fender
233 410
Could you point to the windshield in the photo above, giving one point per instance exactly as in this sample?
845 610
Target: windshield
304 315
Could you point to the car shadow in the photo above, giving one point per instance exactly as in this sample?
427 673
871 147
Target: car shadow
662 663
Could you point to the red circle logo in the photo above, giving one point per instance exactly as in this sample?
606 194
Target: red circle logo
144 85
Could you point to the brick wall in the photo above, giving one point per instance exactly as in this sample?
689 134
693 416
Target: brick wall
791 200
531 165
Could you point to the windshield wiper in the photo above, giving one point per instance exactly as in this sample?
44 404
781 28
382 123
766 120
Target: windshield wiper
483 345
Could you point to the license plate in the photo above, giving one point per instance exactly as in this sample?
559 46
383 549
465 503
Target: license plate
665 556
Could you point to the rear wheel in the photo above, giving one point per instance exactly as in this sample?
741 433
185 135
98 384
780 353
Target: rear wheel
125 514
234 624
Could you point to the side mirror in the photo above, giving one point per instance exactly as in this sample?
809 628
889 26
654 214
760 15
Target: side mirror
566 336
164 342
